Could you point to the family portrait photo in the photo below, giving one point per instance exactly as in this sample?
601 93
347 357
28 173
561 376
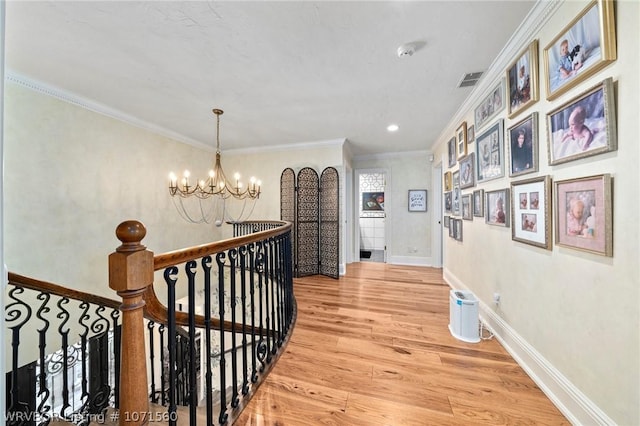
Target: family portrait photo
489 154
582 48
523 146
584 126
490 106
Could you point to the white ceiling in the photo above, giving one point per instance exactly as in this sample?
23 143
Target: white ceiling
284 72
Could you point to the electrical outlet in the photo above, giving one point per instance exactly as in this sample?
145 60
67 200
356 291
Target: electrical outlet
496 298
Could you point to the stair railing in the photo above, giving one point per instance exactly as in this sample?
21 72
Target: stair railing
240 314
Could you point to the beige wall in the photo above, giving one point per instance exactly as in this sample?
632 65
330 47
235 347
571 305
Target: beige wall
71 176
576 310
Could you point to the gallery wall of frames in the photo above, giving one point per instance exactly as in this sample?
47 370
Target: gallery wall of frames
579 210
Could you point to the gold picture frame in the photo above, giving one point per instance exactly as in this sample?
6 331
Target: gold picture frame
461 140
581 49
522 80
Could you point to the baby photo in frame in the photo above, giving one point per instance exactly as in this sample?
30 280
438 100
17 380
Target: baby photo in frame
584 126
583 47
584 214
497 207
522 80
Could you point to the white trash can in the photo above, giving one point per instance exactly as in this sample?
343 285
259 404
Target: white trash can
463 316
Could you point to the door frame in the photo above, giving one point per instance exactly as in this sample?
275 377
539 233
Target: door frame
356 209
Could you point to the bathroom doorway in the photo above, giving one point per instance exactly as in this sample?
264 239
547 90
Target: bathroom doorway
372 215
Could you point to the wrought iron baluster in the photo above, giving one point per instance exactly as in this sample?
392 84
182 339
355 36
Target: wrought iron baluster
252 272
43 391
261 348
18 313
243 298
233 261
64 333
193 394
278 262
206 266
152 358
163 366
169 277
269 299
84 316
117 346
220 258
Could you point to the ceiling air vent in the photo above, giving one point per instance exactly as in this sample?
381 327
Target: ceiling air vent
470 79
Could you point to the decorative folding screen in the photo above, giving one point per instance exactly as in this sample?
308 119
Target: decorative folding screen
329 222
307 222
312 206
288 204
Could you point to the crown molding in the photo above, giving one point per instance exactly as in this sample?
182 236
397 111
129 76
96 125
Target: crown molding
288 147
522 37
79 101
387 155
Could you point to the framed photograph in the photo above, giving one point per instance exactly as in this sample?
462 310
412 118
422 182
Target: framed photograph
497 207
448 202
461 140
471 134
490 153
452 228
531 211
373 201
584 126
467 172
478 203
446 221
417 200
457 224
447 181
583 47
451 148
455 209
523 146
522 80
467 207
583 214
490 106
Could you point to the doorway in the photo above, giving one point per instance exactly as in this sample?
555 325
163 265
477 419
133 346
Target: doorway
371 215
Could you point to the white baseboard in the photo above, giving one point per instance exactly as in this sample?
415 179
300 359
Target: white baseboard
342 269
571 402
409 260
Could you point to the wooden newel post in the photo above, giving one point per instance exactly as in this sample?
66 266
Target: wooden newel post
130 273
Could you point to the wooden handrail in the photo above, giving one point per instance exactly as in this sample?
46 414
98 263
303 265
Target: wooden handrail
58 290
171 258
156 311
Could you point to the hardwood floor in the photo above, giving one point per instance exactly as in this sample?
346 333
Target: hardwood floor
373 348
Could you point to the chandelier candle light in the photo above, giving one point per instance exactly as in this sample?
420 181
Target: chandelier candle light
216 186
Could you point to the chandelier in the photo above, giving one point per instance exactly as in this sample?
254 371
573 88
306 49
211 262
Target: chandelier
217 188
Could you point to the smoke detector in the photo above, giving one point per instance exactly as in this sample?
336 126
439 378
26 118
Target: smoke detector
406 49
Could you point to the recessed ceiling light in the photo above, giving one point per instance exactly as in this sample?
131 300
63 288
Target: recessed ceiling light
392 127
